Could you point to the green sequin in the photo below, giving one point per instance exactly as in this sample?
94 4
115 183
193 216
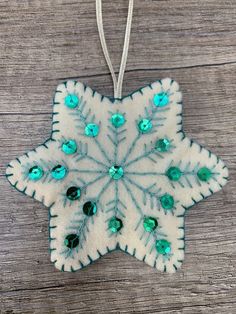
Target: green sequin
150 224
69 147
58 172
71 101
162 145
117 120
116 172
89 208
91 130
115 224
163 247
71 241
161 99
73 193
145 125
204 174
167 201
174 173
35 173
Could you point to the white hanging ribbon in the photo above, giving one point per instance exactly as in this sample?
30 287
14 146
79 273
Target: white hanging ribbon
116 83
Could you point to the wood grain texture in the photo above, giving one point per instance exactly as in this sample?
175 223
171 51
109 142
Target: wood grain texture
44 42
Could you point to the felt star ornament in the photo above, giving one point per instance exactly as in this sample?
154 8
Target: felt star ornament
118 174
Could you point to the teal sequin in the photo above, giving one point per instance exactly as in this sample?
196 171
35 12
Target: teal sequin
115 224
73 193
35 173
161 99
69 147
174 173
91 130
167 201
116 172
117 120
145 125
71 241
89 208
163 246
162 145
204 174
72 101
58 172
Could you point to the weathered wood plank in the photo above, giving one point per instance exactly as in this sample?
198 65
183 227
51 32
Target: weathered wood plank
43 42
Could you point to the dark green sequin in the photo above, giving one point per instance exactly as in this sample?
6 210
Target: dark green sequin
35 173
167 201
58 172
163 247
204 174
150 224
73 193
174 173
71 241
115 224
89 208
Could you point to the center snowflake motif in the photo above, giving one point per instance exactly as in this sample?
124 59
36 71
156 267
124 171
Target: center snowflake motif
118 174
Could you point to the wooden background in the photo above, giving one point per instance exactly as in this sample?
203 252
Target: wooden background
45 41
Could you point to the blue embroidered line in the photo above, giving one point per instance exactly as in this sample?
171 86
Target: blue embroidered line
153 195
130 149
93 181
102 150
97 161
139 209
88 171
116 204
104 189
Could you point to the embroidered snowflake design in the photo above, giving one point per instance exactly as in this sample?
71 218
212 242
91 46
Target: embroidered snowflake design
118 174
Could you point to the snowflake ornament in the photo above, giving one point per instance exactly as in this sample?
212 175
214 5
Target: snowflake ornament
118 174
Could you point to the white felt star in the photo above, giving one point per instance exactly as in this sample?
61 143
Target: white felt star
118 174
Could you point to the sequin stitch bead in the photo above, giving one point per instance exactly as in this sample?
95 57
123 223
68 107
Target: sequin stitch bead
174 173
69 147
150 224
117 120
35 173
72 101
167 201
204 174
161 100
116 172
91 130
115 224
162 145
58 172
73 193
89 208
163 247
145 125
71 241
